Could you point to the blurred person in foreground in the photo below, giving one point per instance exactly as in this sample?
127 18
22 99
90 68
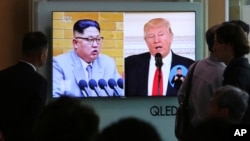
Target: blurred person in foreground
67 119
229 103
129 129
211 129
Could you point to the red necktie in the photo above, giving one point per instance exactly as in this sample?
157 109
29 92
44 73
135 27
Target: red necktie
158 83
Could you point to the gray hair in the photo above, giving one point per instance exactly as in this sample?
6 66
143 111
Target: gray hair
233 98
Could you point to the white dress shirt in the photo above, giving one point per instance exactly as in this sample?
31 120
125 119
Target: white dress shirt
165 72
29 64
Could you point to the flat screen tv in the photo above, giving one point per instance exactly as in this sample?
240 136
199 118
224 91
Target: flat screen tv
121 26
123 36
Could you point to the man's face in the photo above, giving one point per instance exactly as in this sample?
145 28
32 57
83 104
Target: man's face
215 111
43 57
158 40
220 50
84 45
179 71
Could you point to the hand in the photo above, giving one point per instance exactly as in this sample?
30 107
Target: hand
182 78
175 78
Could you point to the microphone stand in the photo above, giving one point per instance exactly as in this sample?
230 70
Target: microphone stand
158 63
159 81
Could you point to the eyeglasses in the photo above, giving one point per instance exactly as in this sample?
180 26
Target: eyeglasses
91 40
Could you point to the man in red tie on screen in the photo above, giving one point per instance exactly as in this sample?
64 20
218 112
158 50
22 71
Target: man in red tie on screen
143 74
158 82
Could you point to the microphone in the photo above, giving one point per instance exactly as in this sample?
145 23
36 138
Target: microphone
83 86
158 64
158 60
120 83
112 84
103 85
93 86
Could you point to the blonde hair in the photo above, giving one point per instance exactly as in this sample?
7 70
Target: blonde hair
157 22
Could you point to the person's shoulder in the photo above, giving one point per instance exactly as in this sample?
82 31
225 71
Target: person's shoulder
182 59
145 55
104 57
9 70
211 61
64 55
2 74
36 79
242 62
4 70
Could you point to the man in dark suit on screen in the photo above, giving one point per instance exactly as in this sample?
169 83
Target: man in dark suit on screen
148 74
23 90
178 78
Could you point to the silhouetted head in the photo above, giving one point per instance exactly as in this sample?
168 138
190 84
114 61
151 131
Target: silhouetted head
67 119
129 129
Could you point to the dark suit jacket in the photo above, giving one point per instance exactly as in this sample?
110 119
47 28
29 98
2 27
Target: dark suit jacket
136 73
22 97
237 73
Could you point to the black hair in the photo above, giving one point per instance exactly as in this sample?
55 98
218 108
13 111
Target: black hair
179 68
242 24
34 42
81 25
233 98
129 129
230 33
210 34
67 119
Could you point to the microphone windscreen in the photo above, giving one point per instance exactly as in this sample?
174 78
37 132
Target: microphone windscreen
112 83
158 60
120 82
83 84
158 55
92 84
102 83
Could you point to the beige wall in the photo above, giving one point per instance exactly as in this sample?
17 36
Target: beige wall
14 16
216 12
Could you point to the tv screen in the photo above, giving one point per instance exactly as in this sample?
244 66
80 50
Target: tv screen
160 111
123 36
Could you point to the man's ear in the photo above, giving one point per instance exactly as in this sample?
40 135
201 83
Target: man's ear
74 41
42 55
